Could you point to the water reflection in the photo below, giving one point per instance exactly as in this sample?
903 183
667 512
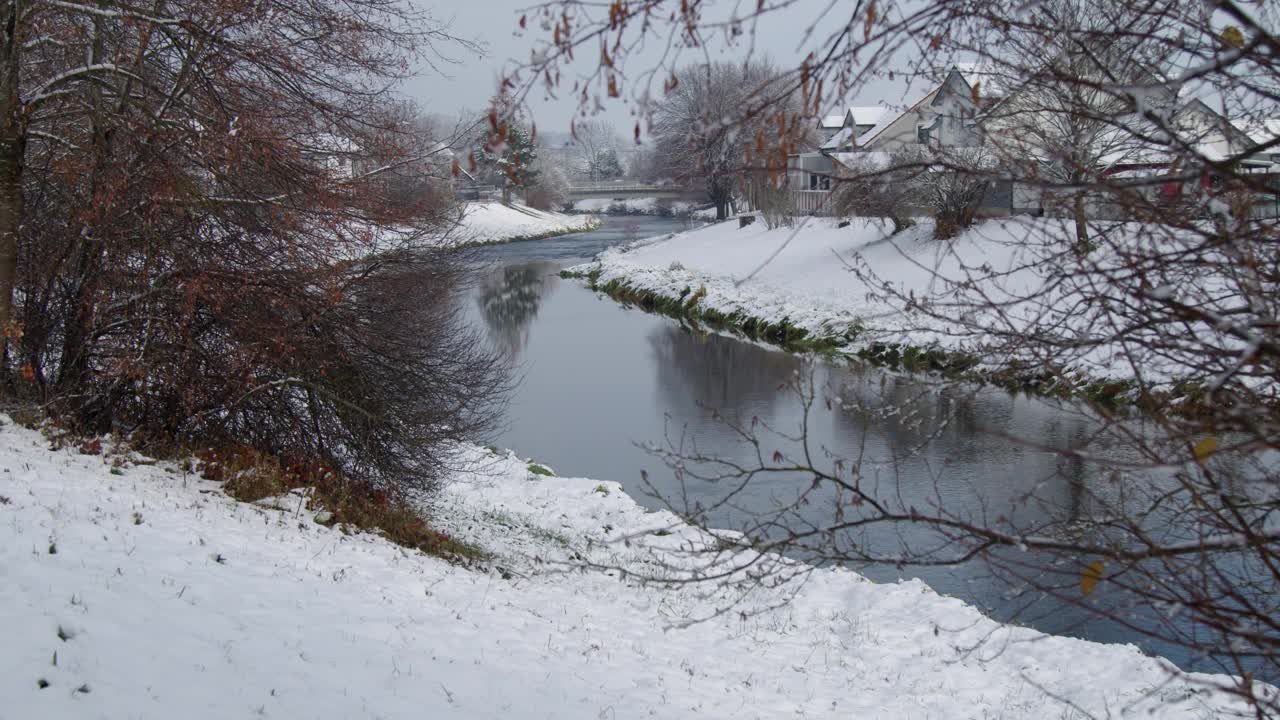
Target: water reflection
509 297
698 370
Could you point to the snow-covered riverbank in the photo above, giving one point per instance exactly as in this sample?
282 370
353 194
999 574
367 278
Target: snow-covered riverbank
494 222
858 288
147 592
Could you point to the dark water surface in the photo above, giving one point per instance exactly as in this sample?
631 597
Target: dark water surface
599 379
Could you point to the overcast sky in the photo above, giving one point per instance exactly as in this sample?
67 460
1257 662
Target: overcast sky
470 83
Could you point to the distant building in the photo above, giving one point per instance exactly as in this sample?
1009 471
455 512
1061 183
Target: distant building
944 116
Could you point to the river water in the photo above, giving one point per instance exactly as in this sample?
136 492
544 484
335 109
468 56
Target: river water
598 381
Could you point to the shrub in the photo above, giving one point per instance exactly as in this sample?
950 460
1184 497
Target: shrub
250 475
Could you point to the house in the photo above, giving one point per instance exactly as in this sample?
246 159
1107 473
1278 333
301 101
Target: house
944 116
1217 141
976 104
1201 143
1265 133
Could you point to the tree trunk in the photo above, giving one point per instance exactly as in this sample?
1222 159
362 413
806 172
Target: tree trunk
74 368
12 147
721 200
1081 216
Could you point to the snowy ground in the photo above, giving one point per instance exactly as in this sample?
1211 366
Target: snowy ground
635 206
493 222
151 594
827 279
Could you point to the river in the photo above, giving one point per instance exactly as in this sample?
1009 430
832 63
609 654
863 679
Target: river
598 380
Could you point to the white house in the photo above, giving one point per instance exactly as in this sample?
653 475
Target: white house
944 116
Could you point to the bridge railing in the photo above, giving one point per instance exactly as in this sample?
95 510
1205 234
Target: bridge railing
623 187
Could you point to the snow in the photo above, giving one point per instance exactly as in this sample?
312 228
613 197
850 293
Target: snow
152 594
831 122
826 279
634 206
486 222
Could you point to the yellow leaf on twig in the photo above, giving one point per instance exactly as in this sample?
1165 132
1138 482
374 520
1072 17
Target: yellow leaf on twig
1205 448
1232 37
1090 576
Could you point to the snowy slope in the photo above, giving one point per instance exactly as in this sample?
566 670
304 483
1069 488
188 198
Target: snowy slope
493 222
152 595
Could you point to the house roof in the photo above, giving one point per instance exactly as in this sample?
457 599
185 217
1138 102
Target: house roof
991 83
877 116
871 159
1262 131
831 122
891 116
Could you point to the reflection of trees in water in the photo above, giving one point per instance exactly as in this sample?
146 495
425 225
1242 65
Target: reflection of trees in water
909 412
967 440
719 372
509 298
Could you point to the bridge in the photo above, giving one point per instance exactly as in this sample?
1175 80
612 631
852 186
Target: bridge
624 190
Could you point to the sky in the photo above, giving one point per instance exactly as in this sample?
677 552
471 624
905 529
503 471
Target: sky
471 81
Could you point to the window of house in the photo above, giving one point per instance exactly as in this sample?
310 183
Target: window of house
813 182
922 135
824 183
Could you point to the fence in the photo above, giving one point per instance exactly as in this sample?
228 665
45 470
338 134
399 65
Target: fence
812 202
1265 207
478 192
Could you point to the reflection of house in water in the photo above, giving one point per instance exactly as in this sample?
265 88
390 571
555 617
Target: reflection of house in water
509 299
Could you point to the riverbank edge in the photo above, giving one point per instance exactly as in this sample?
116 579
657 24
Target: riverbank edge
1057 383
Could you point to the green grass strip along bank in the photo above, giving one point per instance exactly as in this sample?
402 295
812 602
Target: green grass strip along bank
1040 380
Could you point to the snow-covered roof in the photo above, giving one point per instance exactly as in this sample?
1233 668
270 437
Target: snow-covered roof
877 122
864 158
1262 131
867 114
991 83
831 122
874 116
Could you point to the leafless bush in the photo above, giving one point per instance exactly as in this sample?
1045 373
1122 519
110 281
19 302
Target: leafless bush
952 185
550 190
882 188
774 203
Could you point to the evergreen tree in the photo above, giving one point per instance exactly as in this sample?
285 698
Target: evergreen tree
506 157
607 166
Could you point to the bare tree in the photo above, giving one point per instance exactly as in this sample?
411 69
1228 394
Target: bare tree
595 144
952 184
1065 119
699 138
550 190
218 207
